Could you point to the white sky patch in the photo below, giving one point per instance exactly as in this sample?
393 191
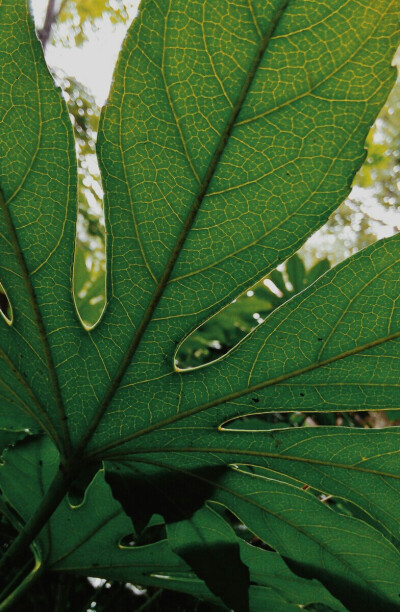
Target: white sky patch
93 63
387 220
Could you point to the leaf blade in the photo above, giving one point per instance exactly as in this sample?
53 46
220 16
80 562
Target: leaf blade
175 309
37 172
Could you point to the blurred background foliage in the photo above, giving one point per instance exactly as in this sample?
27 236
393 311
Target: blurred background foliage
371 211
83 15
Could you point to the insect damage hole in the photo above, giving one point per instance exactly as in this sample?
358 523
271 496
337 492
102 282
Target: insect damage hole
5 306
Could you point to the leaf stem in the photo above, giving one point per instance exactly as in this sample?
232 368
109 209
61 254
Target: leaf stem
146 605
22 588
17 578
51 500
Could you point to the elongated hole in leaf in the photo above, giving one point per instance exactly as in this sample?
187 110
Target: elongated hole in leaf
5 306
260 419
127 541
222 332
150 535
89 265
264 421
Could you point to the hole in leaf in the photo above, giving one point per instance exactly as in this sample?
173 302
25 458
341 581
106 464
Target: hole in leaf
90 256
153 533
5 306
128 541
222 332
281 420
78 488
263 421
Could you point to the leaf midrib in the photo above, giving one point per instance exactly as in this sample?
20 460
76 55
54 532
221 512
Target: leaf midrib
64 442
162 283
246 454
99 452
266 114
41 332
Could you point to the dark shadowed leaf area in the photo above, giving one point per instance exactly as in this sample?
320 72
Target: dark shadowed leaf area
175 496
348 592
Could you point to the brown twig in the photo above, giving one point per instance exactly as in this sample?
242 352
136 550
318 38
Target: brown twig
49 20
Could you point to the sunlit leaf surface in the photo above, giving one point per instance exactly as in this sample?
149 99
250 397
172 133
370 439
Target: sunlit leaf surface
232 131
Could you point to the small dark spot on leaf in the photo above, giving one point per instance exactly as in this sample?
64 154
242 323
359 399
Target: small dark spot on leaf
320 339
255 400
301 394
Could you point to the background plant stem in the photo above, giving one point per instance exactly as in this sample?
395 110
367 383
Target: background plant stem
54 495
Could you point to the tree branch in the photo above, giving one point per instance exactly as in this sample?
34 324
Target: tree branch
49 20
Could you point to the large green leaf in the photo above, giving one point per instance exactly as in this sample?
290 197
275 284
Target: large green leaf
314 353
37 226
356 563
87 539
357 465
172 148
143 316
232 131
173 157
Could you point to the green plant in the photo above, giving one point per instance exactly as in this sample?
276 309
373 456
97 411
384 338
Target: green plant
232 131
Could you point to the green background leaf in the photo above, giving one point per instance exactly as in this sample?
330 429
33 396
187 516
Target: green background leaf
87 538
